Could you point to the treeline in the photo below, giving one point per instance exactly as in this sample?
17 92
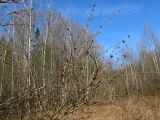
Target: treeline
145 71
47 63
139 72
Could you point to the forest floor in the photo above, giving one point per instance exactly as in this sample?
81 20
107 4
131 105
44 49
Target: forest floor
122 108
125 108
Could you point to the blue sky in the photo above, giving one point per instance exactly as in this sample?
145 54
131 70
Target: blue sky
131 20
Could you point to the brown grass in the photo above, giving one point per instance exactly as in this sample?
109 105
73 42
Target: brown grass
124 108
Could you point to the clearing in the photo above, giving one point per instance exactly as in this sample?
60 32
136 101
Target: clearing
125 108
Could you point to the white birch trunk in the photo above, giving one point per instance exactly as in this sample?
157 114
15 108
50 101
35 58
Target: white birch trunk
44 58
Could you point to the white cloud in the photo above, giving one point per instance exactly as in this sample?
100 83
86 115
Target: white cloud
107 9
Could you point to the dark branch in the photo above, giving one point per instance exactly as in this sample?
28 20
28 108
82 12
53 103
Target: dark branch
9 1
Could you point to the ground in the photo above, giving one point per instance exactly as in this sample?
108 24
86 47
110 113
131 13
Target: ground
125 108
122 108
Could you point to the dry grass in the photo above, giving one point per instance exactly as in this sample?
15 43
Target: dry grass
125 108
